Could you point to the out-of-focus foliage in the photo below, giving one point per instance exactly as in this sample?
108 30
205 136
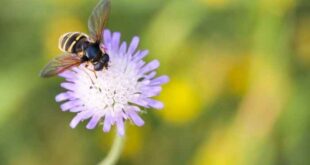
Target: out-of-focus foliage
239 91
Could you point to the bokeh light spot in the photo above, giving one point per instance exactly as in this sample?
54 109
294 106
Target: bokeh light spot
182 102
55 28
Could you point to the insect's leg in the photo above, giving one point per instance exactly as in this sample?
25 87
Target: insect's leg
87 64
94 73
89 76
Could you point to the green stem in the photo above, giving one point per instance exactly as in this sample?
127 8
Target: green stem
115 151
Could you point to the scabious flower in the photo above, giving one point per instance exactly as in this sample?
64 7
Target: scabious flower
116 94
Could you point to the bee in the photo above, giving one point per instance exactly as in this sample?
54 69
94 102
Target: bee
78 47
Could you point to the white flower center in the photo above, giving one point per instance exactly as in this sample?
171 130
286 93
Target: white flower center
109 89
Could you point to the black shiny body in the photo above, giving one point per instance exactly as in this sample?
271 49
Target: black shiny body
92 52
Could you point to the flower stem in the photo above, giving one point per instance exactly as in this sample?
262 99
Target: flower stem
115 151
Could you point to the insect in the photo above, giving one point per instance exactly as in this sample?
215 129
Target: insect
78 47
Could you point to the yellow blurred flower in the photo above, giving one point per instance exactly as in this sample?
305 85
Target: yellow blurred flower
182 102
133 140
55 28
276 6
302 41
219 149
238 76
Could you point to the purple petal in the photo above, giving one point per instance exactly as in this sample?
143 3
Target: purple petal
107 123
107 38
86 114
145 82
93 122
118 107
150 88
135 55
136 118
133 45
70 104
77 109
134 108
140 64
120 126
151 91
150 66
62 97
140 102
125 116
69 86
154 103
141 55
160 80
79 117
75 70
71 80
122 49
115 41
150 75
75 121
67 74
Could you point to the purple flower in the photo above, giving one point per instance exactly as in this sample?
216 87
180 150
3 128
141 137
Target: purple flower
116 94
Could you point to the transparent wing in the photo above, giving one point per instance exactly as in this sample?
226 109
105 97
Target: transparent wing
60 64
98 19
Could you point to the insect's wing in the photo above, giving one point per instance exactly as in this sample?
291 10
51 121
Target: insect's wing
60 64
98 19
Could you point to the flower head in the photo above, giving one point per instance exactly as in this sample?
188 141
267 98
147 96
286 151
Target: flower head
116 94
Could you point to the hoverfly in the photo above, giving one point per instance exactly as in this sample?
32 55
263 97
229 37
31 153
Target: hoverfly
79 48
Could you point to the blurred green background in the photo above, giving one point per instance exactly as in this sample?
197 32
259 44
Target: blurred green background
239 91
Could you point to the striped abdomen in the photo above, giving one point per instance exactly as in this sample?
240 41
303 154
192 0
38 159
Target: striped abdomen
71 42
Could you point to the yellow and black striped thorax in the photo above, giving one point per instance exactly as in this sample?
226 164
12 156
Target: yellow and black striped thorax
68 42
